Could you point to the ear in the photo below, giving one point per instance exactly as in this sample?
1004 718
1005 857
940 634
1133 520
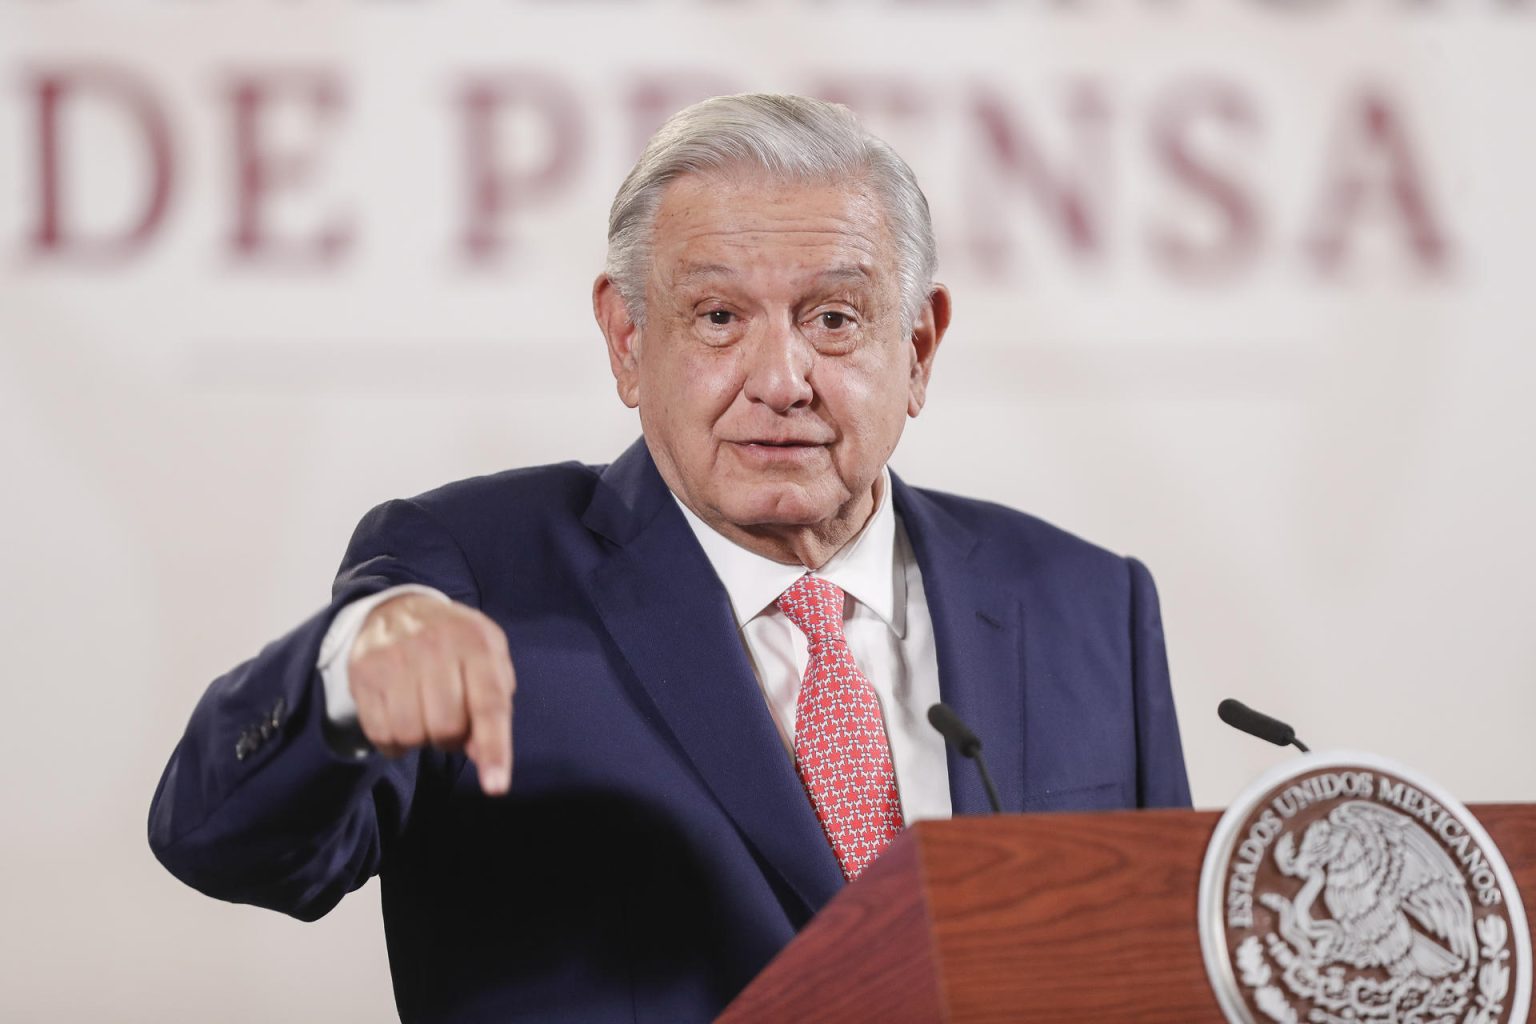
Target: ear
927 331
623 337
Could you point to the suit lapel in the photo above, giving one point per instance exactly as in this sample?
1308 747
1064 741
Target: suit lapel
662 603
978 632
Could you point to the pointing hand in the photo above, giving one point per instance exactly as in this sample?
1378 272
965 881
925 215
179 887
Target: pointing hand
423 670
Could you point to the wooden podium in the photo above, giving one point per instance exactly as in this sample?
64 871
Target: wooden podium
1046 917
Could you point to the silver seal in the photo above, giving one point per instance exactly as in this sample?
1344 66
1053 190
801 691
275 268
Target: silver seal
1343 889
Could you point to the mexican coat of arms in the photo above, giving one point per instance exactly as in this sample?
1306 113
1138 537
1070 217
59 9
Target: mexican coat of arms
1344 891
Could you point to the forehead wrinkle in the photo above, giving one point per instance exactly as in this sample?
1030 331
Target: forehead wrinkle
688 272
768 205
846 273
849 248
852 273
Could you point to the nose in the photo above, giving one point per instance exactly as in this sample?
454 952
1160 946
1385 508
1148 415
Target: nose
778 367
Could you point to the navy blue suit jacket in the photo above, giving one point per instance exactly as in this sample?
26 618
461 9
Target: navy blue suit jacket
657 848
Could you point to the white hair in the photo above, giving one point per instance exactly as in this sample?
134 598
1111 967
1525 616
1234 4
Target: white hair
789 138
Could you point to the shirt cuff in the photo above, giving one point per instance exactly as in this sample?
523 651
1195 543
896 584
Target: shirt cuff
336 649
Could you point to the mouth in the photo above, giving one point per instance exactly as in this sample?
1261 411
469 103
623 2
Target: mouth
777 450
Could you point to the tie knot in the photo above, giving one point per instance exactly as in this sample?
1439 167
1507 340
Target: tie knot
816 606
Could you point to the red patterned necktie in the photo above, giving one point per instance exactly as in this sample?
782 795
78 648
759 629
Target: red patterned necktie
841 751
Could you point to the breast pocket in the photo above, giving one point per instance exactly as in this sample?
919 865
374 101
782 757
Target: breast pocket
1093 796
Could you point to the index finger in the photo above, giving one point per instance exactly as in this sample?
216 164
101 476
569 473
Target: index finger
488 684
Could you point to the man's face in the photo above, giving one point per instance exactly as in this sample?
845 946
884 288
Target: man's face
773 376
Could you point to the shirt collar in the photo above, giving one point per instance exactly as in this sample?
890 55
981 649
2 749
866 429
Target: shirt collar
864 568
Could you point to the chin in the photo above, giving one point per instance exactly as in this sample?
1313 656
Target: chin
777 505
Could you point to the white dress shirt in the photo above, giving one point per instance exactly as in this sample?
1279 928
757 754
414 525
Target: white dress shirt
888 629
887 626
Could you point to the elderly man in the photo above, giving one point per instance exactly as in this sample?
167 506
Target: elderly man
722 644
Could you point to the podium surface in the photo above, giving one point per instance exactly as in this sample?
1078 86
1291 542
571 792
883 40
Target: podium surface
1044 917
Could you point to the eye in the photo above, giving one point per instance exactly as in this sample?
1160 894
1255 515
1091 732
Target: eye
835 321
720 317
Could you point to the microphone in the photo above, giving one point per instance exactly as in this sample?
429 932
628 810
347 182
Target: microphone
959 735
1240 716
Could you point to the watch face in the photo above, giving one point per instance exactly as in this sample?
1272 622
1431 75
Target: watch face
1343 889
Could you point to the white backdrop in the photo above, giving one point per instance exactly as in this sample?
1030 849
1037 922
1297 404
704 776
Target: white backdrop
1242 288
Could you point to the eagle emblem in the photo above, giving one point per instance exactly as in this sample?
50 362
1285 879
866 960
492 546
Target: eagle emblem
1394 898
1342 889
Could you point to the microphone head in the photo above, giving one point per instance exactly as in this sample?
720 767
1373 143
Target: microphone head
1240 716
943 718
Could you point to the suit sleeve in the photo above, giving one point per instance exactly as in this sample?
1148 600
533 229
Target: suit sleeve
1161 780
257 804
